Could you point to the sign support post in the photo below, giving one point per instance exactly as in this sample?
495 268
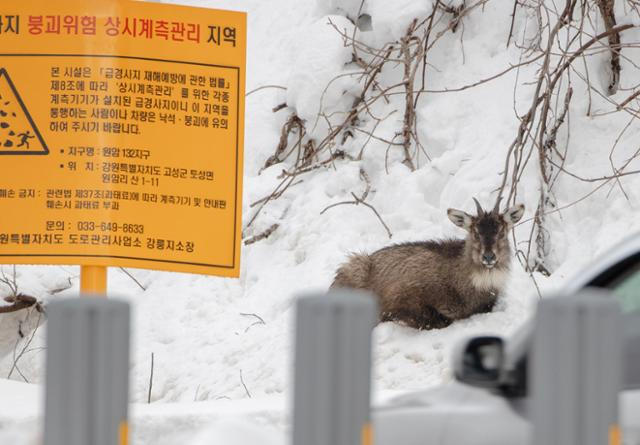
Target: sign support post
93 280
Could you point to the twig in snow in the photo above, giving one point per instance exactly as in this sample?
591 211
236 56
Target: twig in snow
259 321
245 386
247 314
133 278
265 87
16 358
513 18
10 282
606 9
57 290
361 200
151 381
456 12
266 234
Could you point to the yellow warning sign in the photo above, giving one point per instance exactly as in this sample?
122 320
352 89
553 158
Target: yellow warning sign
136 111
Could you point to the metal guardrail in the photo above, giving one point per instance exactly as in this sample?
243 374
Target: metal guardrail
332 375
87 381
576 370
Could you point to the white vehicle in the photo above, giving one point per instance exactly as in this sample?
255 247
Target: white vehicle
489 405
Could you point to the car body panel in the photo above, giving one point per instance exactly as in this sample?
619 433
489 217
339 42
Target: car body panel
626 248
452 414
459 414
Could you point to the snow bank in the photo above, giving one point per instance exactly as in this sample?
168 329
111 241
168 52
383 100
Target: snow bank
219 422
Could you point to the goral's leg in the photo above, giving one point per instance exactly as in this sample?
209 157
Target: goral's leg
428 318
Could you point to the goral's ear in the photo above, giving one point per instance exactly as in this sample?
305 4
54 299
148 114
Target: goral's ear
460 218
513 214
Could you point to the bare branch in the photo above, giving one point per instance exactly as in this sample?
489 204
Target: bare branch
265 87
264 235
361 200
246 390
606 9
133 278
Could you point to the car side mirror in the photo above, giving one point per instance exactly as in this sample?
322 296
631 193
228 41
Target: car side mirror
479 360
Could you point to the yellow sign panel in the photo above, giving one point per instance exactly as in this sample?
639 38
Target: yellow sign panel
121 134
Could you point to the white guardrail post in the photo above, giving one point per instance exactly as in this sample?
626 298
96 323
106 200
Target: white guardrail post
87 378
576 370
332 375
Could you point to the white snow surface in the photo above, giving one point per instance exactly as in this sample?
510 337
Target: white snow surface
222 347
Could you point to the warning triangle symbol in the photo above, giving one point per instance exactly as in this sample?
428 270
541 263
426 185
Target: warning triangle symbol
19 134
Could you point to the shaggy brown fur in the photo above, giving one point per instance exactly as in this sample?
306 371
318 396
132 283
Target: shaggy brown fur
429 284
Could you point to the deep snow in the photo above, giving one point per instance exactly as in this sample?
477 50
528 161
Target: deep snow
200 328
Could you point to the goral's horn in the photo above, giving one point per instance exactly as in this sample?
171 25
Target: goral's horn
496 208
479 210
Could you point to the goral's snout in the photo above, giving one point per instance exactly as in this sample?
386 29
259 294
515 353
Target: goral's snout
489 259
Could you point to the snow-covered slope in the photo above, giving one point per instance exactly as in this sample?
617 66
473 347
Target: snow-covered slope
225 343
